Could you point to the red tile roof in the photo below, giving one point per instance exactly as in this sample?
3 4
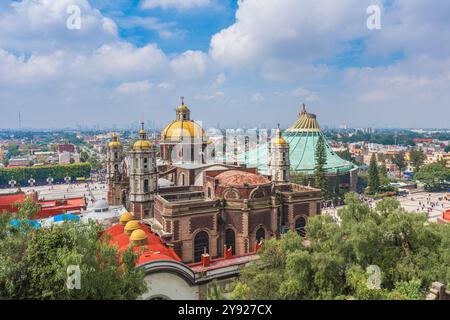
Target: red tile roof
155 249
48 208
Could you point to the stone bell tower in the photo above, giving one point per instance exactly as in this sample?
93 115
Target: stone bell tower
279 164
114 159
143 176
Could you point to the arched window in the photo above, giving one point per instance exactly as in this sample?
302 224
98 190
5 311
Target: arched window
145 185
182 179
260 234
201 245
230 240
300 225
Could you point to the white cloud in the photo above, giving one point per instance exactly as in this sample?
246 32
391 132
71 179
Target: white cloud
258 97
135 87
218 94
174 4
40 26
190 64
220 80
288 30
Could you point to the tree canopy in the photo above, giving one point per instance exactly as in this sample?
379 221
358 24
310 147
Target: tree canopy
343 261
433 176
373 178
320 174
34 263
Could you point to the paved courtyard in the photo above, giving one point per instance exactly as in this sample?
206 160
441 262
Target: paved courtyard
432 203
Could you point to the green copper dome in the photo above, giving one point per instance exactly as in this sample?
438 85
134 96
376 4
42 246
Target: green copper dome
302 138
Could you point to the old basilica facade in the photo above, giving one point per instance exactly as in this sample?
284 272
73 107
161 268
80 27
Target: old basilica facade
212 208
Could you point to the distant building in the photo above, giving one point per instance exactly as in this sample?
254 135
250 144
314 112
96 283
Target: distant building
19 162
66 147
68 157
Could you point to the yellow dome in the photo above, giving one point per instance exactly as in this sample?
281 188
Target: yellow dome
114 144
131 226
279 139
142 144
138 235
186 129
125 217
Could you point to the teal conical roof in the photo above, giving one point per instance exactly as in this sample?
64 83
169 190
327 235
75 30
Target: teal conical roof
302 138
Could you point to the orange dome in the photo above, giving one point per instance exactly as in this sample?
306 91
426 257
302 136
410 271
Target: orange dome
239 178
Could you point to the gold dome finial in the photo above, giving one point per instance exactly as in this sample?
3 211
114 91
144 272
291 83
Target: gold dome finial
279 138
182 101
142 143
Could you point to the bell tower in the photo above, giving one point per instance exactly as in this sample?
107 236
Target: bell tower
279 164
143 176
114 158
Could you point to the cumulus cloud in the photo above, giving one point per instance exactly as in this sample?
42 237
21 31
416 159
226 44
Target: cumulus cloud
41 26
317 51
288 30
190 64
134 87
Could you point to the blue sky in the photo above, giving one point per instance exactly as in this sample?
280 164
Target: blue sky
248 63
193 27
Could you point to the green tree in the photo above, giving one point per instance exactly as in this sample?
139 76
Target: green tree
409 252
34 264
320 174
28 208
417 159
433 176
346 155
299 178
447 148
373 178
384 180
399 160
84 156
337 187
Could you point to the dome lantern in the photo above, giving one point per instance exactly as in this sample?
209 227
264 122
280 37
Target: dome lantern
142 143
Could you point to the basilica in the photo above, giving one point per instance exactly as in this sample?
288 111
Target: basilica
201 207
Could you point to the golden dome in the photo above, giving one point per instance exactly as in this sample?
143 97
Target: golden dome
183 129
125 217
114 144
142 143
131 226
279 138
138 235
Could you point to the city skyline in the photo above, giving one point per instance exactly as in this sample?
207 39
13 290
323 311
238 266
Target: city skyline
233 61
